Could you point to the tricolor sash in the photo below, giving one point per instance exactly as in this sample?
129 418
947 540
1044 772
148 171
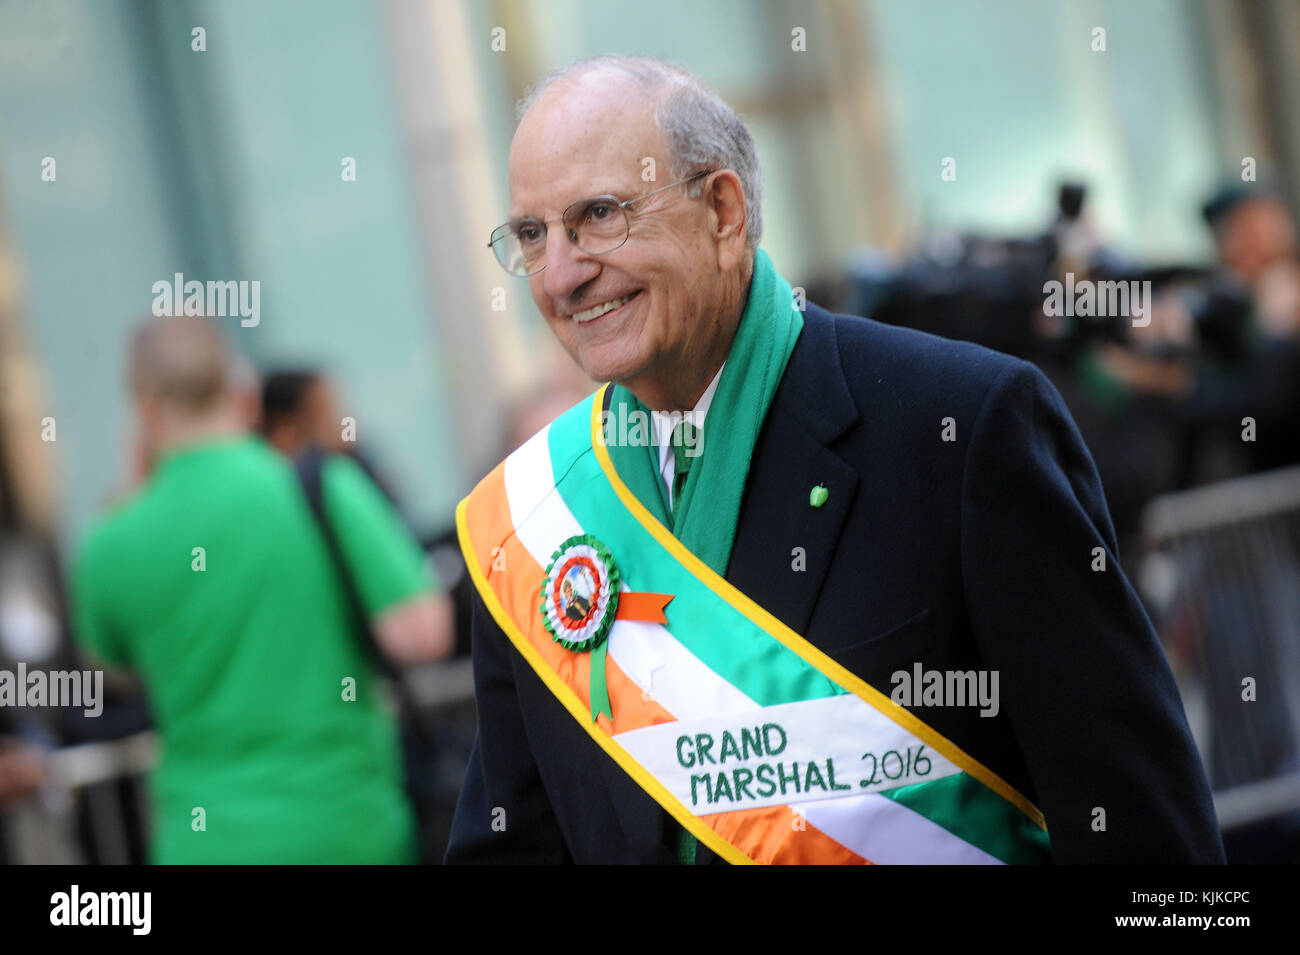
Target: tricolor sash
759 744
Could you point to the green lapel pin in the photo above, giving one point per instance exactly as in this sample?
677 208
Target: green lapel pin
818 496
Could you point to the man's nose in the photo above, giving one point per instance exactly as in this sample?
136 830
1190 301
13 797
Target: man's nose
567 266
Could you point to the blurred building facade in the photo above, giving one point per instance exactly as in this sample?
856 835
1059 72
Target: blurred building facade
227 163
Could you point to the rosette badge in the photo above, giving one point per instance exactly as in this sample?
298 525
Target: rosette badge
581 599
580 593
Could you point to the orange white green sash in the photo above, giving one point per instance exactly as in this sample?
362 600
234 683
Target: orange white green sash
759 744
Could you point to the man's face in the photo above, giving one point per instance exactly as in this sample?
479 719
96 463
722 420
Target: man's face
320 417
1258 234
590 136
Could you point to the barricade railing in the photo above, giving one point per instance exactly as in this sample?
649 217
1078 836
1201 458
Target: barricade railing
108 779
1221 577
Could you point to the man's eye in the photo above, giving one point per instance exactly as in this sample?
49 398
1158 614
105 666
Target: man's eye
600 211
529 233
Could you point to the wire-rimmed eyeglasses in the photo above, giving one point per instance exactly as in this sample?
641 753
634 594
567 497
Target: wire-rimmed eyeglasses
596 226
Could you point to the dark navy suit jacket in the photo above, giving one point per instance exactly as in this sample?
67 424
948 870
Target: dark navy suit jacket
969 554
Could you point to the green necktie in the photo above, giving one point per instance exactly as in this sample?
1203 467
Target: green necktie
685 451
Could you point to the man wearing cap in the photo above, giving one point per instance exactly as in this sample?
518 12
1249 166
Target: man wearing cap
822 509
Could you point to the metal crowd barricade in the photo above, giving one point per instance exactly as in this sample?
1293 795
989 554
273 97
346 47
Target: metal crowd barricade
108 778
1221 577
43 829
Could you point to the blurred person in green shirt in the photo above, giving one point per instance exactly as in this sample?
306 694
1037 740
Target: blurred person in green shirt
214 583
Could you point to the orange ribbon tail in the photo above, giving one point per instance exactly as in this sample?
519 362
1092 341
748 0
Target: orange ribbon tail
642 606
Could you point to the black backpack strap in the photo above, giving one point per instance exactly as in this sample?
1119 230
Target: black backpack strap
420 745
310 465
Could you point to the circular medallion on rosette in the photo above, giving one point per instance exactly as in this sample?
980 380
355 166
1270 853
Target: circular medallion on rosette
580 593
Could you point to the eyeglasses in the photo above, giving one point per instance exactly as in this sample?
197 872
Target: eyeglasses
596 226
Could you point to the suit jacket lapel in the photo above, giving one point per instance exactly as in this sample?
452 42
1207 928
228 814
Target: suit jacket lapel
784 544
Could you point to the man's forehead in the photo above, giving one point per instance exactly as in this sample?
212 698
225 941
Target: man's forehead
580 141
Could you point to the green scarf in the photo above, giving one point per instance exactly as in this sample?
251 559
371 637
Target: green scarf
768 329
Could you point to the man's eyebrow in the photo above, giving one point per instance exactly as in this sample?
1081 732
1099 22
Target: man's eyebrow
620 192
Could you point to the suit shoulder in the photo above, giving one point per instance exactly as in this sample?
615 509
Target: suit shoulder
905 372
943 365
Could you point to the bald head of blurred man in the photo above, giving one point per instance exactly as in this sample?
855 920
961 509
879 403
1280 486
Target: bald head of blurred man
183 384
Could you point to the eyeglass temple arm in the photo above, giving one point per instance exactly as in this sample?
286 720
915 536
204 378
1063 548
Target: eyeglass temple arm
654 192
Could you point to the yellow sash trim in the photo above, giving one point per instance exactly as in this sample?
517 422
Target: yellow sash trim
774 627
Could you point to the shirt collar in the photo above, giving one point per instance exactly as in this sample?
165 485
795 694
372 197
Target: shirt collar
664 422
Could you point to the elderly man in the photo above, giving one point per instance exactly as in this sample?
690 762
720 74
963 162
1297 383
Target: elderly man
812 538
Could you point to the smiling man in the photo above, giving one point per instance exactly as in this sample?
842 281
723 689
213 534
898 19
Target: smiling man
857 500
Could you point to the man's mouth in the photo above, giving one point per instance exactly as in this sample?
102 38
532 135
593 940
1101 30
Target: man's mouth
604 308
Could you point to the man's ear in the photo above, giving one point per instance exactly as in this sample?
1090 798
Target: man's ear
726 200
148 413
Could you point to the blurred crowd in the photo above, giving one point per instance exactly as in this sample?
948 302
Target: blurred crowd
287 718
1161 400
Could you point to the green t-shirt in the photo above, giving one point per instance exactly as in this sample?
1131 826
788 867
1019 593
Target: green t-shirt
247 654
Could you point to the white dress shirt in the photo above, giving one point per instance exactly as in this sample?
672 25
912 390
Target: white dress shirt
664 423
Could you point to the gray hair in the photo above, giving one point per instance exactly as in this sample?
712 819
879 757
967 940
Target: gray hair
702 131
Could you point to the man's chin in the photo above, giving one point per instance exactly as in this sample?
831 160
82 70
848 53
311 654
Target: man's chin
605 368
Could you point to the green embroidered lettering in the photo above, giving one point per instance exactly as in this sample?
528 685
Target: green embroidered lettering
766 784
704 746
884 764
830 771
783 778
767 739
728 746
813 770
875 767
746 742
722 785
681 759
742 782
708 788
